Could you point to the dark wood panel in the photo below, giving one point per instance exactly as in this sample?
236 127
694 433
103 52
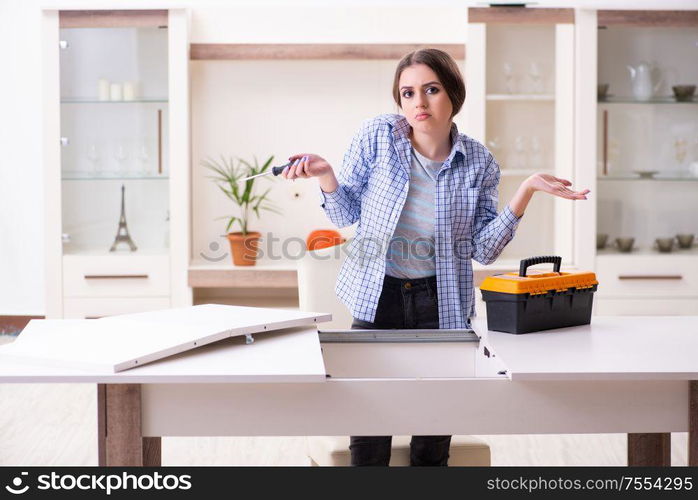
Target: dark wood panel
9 324
152 452
123 443
520 15
112 18
102 425
656 18
228 51
649 450
693 424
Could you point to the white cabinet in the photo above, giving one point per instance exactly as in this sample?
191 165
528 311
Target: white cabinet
116 160
520 104
643 146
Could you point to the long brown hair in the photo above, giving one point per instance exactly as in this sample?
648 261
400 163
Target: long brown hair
446 70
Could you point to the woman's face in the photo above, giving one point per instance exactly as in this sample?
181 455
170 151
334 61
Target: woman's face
424 100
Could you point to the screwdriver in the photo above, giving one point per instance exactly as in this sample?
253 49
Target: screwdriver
274 170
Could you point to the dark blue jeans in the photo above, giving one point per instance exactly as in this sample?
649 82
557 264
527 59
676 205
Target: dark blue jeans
404 304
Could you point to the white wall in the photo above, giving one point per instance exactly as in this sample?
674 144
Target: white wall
21 204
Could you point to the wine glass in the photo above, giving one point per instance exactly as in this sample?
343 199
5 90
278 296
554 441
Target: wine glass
508 71
680 149
494 145
519 152
120 156
94 157
536 76
143 157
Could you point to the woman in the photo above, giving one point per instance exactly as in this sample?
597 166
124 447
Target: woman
425 198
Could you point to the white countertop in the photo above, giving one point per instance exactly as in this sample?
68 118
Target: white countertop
610 348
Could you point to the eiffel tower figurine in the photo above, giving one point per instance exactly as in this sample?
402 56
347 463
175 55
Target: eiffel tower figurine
122 235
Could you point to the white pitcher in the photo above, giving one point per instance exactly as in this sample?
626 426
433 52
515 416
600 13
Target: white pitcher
641 77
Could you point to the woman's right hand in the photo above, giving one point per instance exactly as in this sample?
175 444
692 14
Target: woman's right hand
307 165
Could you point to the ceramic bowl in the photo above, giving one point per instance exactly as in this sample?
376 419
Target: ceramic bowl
601 240
601 91
664 244
684 92
625 244
685 240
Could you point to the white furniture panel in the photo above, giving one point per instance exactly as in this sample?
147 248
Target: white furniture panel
116 275
400 360
407 407
287 355
121 342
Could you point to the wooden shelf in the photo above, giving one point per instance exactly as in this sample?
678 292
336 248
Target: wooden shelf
520 15
239 51
224 275
649 18
112 18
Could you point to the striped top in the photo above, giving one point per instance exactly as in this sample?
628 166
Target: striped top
411 249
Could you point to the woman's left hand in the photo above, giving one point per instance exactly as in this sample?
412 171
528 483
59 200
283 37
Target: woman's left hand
554 185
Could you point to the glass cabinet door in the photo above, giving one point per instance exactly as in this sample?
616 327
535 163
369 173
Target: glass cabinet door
114 137
647 141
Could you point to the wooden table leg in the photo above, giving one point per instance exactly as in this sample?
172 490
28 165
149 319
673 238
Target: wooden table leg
693 423
647 450
120 442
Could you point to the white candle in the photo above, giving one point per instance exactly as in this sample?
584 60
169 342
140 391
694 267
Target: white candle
129 91
103 89
115 92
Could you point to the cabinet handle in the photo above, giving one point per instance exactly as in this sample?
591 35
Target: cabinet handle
115 276
651 277
605 142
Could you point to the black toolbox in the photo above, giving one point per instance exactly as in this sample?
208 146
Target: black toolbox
530 302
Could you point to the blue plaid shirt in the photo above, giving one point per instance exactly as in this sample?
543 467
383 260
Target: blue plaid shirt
373 185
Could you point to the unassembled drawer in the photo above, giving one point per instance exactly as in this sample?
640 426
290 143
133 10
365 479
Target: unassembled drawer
116 275
399 353
647 276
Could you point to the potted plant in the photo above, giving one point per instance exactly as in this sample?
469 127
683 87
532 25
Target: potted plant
228 175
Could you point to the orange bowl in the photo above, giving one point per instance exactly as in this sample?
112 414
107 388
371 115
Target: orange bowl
323 238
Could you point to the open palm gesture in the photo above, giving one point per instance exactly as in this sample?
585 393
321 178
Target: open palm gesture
555 186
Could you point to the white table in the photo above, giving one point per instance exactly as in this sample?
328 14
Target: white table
619 375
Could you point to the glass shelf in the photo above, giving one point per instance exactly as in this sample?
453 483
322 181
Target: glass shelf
92 100
92 177
520 97
654 100
645 251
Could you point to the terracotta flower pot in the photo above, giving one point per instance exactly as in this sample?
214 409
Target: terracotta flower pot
244 248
